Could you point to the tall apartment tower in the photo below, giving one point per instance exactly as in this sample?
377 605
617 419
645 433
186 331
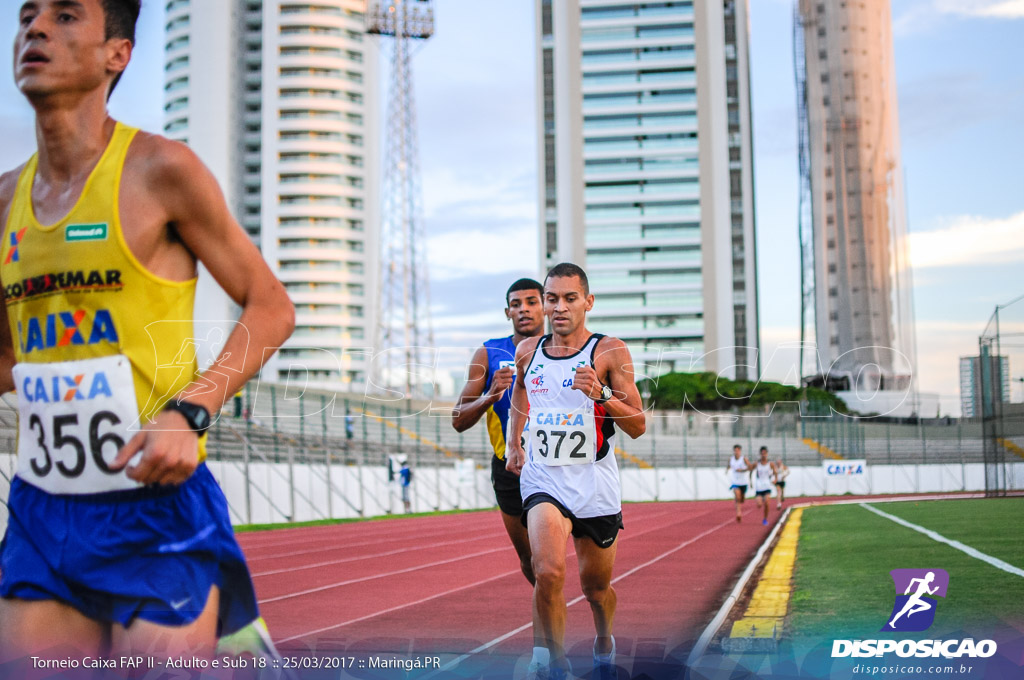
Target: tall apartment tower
647 174
851 163
279 98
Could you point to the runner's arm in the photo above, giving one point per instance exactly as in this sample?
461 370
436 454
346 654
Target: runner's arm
515 457
194 205
8 184
474 402
205 225
625 407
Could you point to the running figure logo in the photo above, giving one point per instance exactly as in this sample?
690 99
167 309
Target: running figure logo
914 609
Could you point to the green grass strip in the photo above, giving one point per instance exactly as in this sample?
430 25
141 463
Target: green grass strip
994 526
842 587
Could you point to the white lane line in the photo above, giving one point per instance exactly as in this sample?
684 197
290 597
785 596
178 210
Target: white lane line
976 554
401 606
341 545
357 558
677 520
386 574
456 661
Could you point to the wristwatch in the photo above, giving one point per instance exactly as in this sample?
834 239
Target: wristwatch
606 394
197 416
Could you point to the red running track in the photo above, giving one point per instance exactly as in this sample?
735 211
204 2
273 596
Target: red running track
451 584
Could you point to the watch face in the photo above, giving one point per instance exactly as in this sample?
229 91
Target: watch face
202 418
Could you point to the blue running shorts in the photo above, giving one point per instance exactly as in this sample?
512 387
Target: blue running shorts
151 553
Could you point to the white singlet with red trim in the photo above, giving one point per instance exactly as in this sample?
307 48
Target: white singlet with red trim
571 452
763 477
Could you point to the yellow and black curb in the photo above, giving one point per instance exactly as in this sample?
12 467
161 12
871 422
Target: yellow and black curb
760 627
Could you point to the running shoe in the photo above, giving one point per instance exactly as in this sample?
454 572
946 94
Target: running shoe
536 671
604 664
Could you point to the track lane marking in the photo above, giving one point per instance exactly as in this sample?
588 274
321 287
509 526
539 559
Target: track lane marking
363 579
343 560
391 540
248 544
568 556
455 662
397 607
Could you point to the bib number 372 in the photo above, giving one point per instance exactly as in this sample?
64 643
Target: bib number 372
567 440
74 418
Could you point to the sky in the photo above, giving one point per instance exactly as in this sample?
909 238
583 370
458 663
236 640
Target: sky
961 110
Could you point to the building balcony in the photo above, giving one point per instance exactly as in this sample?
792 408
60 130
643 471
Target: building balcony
595 199
637 43
594 109
680 83
606 175
660 151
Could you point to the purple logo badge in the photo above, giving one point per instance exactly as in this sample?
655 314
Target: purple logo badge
916 590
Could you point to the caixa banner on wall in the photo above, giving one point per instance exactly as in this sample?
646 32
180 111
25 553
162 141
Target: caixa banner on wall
844 468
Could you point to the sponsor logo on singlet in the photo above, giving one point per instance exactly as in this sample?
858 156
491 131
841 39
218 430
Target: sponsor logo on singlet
62 329
85 232
59 281
12 254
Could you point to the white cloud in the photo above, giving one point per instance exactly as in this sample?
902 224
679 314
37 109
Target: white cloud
924 15
970 240
996 9
458 254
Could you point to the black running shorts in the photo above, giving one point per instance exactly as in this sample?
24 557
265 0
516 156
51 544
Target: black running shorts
601 530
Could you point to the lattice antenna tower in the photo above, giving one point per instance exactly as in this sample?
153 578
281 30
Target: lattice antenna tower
404 328
805 224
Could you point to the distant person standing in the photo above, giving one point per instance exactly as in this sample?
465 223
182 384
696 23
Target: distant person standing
763 474
781 472
404 480
738 470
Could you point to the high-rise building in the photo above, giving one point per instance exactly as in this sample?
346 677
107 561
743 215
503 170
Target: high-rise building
855 251
647 174
971 390
280 99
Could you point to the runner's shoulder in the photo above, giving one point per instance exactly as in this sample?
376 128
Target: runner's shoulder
164 162
527 346
8 185
609 343
611 351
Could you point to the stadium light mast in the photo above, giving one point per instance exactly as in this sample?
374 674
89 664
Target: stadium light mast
405 325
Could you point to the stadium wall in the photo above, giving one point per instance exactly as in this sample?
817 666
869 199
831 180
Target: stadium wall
278 492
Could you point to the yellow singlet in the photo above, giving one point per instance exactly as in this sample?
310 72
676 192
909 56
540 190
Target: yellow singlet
74 291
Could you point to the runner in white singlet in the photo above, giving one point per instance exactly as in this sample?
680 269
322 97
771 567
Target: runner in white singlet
763 473
738 470
781 472
576 387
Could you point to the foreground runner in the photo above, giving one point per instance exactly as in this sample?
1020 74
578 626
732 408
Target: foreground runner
119 540
486 392
576 386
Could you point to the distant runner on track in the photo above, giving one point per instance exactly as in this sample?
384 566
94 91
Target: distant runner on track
738 470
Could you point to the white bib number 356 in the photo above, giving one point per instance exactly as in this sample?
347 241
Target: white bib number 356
562 438
74 417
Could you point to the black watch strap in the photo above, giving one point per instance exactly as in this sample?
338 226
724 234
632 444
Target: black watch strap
197 416
606 394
